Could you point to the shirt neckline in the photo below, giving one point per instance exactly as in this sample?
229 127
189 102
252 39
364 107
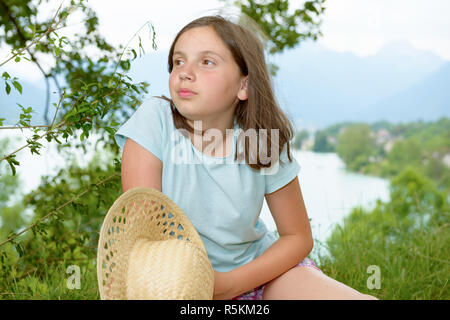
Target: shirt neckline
233 147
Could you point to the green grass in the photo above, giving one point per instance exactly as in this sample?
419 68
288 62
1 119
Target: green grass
413 265
54 285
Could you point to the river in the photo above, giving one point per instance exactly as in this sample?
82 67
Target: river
329 191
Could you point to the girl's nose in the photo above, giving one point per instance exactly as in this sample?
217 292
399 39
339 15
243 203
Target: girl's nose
187 72
185 76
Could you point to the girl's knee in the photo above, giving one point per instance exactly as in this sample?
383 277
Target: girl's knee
368 297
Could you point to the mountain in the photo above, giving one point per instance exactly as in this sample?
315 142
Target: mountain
316 86
151 68
319 87
428 99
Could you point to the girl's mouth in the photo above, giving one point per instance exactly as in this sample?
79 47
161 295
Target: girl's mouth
185 93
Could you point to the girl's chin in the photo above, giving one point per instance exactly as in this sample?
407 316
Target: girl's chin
187 115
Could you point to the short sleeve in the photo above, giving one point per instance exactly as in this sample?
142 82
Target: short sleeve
145 127
280 174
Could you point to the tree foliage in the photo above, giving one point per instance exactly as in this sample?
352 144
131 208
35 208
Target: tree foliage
92 89
280 26
95 95
68 210
299 138
355 145
322 142
424 145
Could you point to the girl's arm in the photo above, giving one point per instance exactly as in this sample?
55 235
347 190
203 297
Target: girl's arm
294 244
140 168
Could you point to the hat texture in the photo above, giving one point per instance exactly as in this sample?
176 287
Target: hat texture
148 249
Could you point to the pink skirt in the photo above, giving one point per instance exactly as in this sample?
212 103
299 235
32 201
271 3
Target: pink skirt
257 293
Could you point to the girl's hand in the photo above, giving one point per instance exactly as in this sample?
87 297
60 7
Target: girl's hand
223 286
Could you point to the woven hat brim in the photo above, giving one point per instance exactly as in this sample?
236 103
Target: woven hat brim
137 213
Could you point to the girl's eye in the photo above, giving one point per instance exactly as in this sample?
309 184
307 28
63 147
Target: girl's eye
176 62
208 60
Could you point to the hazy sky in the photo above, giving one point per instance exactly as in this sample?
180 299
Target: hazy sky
358 26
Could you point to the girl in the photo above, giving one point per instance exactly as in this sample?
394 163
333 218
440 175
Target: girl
219 83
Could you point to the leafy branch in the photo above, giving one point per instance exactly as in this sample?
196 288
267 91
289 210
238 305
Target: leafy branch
79 115
36 40
41 220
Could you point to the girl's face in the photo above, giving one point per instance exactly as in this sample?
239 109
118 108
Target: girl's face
204 65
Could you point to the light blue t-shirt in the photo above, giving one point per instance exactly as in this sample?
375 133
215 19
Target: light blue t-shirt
221 197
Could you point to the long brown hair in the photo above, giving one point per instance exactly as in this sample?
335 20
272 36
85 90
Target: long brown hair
260 110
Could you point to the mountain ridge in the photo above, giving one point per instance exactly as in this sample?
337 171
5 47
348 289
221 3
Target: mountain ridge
315 86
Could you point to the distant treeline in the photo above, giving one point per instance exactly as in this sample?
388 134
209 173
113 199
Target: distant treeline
384 149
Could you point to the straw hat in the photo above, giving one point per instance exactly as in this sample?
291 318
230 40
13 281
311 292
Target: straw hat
148 249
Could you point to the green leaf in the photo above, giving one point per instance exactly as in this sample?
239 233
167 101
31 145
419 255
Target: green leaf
309 5
20 249
17 86
62 40
125 64
110 130
8 88
12 162
134 88
141 48
63 15
5 75
154 45
56 139
17 59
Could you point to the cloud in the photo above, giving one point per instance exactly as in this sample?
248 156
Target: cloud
363 27
119 22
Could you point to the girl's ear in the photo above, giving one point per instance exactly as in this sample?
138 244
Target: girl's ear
243 92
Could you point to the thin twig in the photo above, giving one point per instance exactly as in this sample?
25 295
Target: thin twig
55 210
26 127
57 126
57 109
123 51
47 132
27 273
50 29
